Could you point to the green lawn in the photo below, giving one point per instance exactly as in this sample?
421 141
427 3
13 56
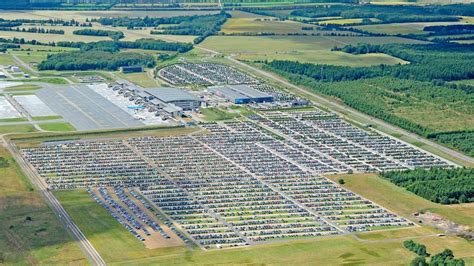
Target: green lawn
51 117
22 88
57 127
58 81
16 119
142 79
37 240
6 60
16 129
311 49
215 114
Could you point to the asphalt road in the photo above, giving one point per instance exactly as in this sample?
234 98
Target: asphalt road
91 253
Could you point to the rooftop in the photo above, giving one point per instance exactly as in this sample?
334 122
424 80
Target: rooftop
238 91
172 94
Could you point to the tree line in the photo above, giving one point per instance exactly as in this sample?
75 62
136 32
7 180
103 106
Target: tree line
33 30
114 35
389 13
445 186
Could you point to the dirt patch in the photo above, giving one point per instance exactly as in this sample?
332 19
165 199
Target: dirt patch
447 226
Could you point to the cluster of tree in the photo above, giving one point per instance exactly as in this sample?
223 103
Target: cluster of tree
450 29
389 13
4 162
446 257
95 60
114 35
460 140
33 30
414 247
445 186
5 46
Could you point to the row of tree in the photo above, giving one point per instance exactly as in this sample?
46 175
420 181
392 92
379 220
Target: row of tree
114 35
33 30
445 186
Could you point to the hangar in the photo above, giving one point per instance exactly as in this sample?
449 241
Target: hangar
241 94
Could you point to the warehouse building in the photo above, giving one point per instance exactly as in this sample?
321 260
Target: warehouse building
177 97
241 94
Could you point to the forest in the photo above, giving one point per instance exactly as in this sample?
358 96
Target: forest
114 35
461 140
202 26
95 60
445 186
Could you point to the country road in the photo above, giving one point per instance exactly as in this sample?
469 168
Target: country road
91 253
357 116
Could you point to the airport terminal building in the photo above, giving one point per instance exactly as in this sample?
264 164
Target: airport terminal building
177 97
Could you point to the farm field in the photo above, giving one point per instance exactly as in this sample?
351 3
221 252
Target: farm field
117 245
343 21
308 49
254 25
130 35
29 231
403 28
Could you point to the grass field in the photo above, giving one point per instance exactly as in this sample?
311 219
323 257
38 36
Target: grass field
6 60
403 28
57 127
117 245
215 114
39 239
16 129
401 201
142 79
311 49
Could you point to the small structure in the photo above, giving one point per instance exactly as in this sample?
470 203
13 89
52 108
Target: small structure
241 94
2 75
15 69
131 69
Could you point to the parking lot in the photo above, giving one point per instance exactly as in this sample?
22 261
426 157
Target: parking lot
242 183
